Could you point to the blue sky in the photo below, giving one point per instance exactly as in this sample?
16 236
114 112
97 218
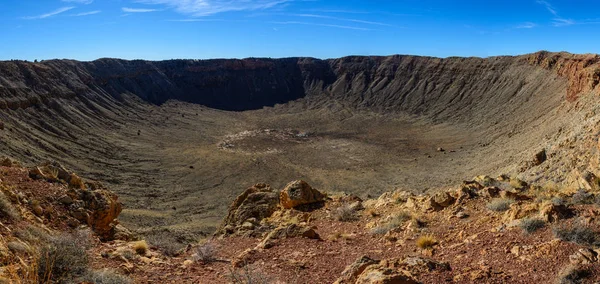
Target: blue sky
166 29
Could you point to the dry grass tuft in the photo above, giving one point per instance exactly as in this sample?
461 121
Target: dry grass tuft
499 204
426 242
140 247
206 253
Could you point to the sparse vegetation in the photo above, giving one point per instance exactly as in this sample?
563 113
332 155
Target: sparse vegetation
165 243
140 247
395 221
345 213
206 253
577 233
499 204
582 197
530 225
105 277
248 275
64 257
426 242
572 275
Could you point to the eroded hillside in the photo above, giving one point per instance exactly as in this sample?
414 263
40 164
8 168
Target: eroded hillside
165 137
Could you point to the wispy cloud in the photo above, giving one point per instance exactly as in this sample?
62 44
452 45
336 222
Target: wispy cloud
341 19
321 25
560 22
137 10
197 20
527 25
548 6
87 13
48 15
85 2
198 8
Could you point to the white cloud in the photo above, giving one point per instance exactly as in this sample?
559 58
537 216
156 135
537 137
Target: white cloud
48 15
560 22
548 6
341 19
135 10
199 8
527 25
321 25
86 13
85 2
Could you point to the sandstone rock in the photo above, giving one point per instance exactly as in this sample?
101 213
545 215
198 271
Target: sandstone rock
490 192
257 202
377 275
299 193
422 265
513 195
104 208
519 211
352 271
583 256
485 181
243 258
551 212
444 199
292 231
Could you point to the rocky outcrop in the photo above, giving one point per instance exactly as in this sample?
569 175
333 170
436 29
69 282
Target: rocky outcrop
91 204
298 193
389 271
249 208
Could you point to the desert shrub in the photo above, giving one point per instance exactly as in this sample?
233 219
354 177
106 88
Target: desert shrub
248 275
582 197
345 213
578 234
165 243
206 253
7 209
572 274
499 204
395 222
105 277
530 225
64 257
426 242
140 247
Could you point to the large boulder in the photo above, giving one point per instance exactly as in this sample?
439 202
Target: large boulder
250 207
352 271
104 208
297 193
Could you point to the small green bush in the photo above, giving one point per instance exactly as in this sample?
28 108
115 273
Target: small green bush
499 204
530 225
